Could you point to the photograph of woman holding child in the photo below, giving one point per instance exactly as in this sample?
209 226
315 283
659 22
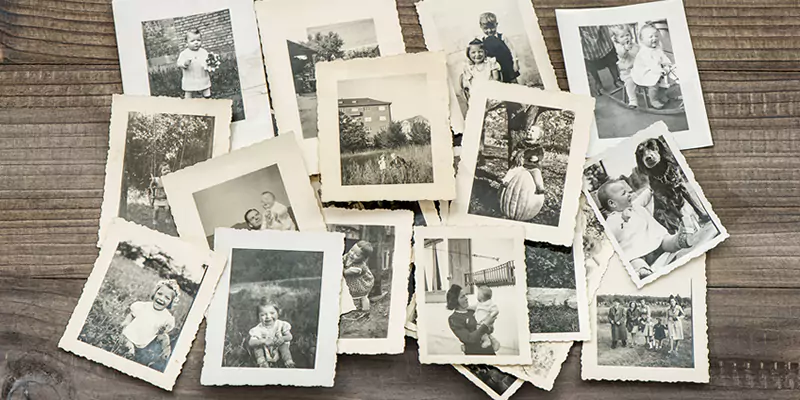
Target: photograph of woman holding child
464 325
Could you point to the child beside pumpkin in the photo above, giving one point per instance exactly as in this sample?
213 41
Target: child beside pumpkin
522 188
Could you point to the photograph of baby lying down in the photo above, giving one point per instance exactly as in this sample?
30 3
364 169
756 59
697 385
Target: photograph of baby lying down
649 206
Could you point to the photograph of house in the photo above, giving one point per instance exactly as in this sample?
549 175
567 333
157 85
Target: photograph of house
376 115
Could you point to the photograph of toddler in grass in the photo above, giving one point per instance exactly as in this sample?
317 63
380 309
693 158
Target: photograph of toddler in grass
651 207
143 303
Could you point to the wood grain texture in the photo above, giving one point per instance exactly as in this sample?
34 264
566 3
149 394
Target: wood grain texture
59 68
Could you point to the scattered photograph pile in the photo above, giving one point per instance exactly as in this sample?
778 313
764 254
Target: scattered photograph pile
360 220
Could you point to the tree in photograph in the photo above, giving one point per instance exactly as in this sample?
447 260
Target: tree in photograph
327 45
364 52
353 135
392 137
549 266
420 133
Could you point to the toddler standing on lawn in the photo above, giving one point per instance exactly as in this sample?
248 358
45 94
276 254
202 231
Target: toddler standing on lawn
193 61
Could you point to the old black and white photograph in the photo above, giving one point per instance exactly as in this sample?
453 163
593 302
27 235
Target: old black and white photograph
639 66
274 315
383 123
520 160
470 296
557 301
495 383
499 41
297 35
143 303
260 187
652 209
196 49
376 257
657 333
151 137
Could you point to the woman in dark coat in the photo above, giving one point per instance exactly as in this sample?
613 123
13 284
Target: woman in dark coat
463 324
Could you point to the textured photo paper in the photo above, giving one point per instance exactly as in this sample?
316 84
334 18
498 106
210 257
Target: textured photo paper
143 302
521 160
274 316
486 40
259 187
637 62
383 125
470 293
376 258
657 333
196 49
651 207
296 35
150 137
495 383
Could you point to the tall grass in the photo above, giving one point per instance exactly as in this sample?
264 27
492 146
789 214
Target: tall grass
125 283
362 168
552 318
298 300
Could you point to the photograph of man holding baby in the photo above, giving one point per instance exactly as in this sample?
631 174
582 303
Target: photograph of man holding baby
140 309
649 206
194 56
273 309
633 77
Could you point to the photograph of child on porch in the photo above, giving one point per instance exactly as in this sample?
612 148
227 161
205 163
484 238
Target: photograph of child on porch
470 286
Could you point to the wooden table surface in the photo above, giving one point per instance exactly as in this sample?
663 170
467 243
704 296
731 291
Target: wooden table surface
59 67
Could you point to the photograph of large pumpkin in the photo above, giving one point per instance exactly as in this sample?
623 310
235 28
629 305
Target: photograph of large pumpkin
518 199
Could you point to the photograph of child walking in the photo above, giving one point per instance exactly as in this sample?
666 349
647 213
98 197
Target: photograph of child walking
650 205
194 56
645 331
273 309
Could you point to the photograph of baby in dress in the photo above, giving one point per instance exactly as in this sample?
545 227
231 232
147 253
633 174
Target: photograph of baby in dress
633 77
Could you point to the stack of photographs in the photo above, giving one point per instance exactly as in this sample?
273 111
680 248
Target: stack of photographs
330 213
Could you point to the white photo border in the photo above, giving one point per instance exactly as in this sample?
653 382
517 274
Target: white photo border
699 133
121 106
282 151
627 148
118 231
328 76
332 245
582 106
274 16
483 386
128 18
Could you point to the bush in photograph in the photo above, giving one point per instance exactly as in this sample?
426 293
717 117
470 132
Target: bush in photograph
553 318
353 135
392 137
127 282
549 266
362 168
364 52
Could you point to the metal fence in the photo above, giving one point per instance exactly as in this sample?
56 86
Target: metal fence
501 275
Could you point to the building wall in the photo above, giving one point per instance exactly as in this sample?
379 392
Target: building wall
165 39
375 118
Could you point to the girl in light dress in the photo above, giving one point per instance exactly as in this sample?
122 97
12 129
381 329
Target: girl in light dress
675 317
478 67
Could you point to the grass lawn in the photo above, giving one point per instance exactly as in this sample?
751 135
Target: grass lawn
552 318
142 214
362 168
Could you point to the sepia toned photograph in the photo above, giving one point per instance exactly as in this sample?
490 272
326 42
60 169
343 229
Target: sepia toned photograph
470 291
377 254
521 159
383 123
260 187
297 35
486 40
143 303
637 62
206 49
652 209
151 137
657 333
495 383
274 315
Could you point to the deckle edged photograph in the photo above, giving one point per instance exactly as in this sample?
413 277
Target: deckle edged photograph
143 303
151 137
650 205
377 254
205 49
383 123
495 383
637 62
273 317
471 295
521 158
657 334
259 187
486 40
296 35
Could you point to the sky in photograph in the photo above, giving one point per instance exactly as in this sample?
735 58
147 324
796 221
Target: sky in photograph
407 93
355 34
